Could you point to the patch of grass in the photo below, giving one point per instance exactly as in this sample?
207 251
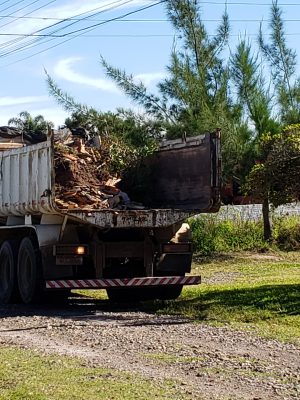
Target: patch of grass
27 375
258 292
287 233
95 294
264 297
213 235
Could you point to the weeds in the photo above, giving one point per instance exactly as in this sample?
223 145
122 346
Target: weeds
212 235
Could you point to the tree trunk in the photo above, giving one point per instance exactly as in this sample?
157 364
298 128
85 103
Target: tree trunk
266 219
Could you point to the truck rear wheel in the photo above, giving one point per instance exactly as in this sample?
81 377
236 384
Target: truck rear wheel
8 284
29 272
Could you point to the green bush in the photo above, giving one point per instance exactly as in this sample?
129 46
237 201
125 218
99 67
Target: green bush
212 235
287 233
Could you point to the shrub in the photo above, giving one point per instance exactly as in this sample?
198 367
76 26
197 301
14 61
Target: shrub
212 234
287 233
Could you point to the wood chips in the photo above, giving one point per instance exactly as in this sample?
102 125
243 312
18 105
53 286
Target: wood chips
81 177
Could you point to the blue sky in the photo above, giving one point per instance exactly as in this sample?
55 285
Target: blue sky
139 43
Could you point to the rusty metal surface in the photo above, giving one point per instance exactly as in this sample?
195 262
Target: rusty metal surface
184 174
130 218
182 177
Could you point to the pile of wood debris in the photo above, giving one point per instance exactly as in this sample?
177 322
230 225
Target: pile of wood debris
81 166
82 179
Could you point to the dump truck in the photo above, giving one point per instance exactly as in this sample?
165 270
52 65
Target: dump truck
133 254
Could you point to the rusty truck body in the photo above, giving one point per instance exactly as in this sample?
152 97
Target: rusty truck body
132 253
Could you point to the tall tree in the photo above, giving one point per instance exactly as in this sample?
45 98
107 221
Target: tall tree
282 61
195 97
268 105
256 100
277 177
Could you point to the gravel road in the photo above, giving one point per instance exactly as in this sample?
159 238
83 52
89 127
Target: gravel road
205 362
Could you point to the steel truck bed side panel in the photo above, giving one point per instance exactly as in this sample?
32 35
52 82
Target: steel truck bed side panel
26 180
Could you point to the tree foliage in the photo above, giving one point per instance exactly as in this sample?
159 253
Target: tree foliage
253 92
30 125
126 136
278 176
194 97
198 96
282 62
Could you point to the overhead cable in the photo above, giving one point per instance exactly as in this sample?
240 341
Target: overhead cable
80 33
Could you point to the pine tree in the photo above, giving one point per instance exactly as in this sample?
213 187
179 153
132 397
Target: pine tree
282 62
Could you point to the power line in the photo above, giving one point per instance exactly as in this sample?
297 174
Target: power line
82 32
15 18
139 20
114 19
170 35
140 35
7 44
32 43
12 5
235 3
90 29
3 2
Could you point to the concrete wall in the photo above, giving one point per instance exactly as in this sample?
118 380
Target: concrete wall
254 211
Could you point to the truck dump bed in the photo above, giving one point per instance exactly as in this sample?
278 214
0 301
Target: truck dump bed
184 180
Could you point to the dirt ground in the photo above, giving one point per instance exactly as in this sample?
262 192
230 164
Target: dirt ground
205 362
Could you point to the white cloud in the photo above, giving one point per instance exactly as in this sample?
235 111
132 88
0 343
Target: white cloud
9 101
63 69
54 114
33 104
72 7
66 9
149 78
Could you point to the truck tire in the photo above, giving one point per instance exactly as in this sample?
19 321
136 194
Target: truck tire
8 266
29 272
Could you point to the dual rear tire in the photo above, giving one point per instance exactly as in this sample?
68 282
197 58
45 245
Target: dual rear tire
8 273
20 272
29 272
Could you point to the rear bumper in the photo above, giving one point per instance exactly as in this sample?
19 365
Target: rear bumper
126 282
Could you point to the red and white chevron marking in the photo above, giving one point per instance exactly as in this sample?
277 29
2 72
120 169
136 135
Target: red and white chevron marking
106 283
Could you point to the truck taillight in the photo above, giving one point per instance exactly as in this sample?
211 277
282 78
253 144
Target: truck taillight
70 250
81 250
176 248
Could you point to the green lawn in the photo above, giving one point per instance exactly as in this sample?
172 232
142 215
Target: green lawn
27 375
257 293
254 292
260 293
